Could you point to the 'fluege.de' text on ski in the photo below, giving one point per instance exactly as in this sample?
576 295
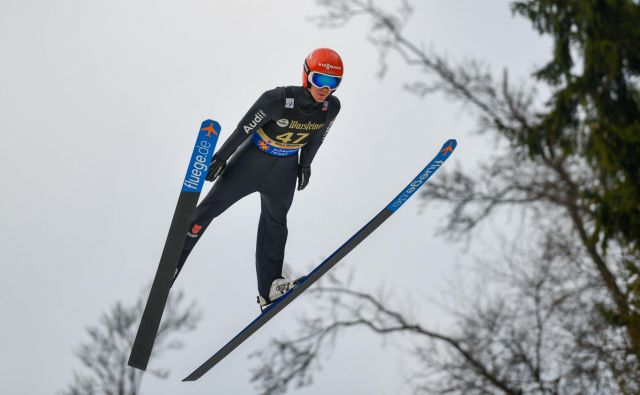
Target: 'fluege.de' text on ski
199 166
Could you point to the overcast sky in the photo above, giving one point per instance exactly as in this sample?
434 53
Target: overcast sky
100 102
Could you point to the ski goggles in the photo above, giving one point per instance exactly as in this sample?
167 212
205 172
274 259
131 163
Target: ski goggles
320 80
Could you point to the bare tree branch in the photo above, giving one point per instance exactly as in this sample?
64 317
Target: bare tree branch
543 323
104 357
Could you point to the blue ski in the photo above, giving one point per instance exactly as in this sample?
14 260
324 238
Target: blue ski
274 308
191 188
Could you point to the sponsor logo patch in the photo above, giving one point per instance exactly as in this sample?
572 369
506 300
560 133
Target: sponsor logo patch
305 126
448 150
194 231
198 168
289 102
283 122
210 130
263 146
329 66
417 182
259 116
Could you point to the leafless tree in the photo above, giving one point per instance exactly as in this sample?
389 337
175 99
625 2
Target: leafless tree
543 321
104 356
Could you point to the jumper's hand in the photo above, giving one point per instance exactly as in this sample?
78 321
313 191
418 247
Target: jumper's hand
304 173
216 168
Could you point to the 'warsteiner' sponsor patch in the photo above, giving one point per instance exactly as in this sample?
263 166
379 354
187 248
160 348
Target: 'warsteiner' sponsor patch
259 116
305 126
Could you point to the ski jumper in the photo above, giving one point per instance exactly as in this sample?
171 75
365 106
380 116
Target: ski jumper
281 131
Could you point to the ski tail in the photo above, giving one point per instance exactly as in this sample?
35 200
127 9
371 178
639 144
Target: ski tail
271 310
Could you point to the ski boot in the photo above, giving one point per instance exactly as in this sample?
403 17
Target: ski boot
279 287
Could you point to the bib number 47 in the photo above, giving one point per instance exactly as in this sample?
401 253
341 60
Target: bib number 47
287 138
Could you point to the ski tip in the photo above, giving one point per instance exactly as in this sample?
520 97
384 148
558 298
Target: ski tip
210 125
217 126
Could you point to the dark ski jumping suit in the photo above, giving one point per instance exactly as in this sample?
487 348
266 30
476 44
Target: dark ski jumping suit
282 122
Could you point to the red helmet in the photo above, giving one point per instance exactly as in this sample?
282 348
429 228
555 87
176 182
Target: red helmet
324 61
